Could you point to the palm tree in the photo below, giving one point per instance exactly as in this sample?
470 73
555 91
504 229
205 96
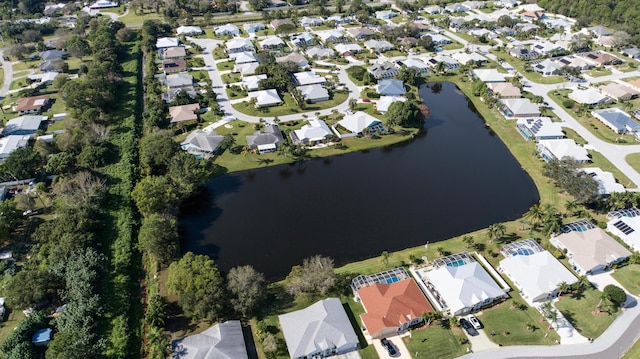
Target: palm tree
553 316
563 287
584 281
157 342
468 241
571 206
534 216
353 104
496 231
440 67
547 307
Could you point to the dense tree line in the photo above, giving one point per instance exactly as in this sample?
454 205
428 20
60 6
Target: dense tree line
619 15
567 175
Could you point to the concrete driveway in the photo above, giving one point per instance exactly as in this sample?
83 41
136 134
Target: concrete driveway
481 342
398 342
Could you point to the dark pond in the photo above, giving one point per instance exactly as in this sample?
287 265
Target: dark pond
455 178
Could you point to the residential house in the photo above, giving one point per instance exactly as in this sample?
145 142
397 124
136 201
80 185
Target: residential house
189 30
469 58
481 32
202 143
11 143
625 224
307 21
294 57
243 57
227 29
314 93
532 15
164 42
391 307
618 91
589 248
617 120
275 24
239 45
320 52
328 36
383 70
247 69
360 33
601 58
252 83
272 43
606 41
378 45
348 49
50 55
526 27
473 5
266 140
382 105
455 8
589 96
311 134
546 48
504 90
632 51
439 39
535 271
386 14
302 39
45 78
455 23
340 19
33 104
56 65
184 113
504 31
223 340
308 78
23 125
173 52
562 148
539 128
253 27
407 41
265 98
358 122
391 87
415 64
519 107
103 4
179 83
319 331
433 10
449 63
546 67
635 84
607 183
575 61
489 75
523 52
172 66
600 31
462 285
507 4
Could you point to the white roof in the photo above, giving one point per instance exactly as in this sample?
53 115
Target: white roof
238 43
188 30
627 228
251 82
330 34
43 77
589 96
24 123
385 101
243 57
11 143
342 48
542 127
607 183
464 286
167 42
320 327
378 44
253 25
221 341
308 78
247 69
226 29
319 51
271 41
521 106
565 148
537 273
314 92
592 248
415 63
489 75
316 130
265 97
358 121
463 57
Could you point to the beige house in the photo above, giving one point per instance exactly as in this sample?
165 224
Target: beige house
618 91
184 113
504 89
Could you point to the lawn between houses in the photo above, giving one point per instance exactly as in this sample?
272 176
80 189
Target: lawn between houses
580 310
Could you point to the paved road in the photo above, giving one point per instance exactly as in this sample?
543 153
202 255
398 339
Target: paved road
8 75
219 87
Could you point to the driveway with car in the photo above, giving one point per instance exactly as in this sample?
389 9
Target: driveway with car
398 343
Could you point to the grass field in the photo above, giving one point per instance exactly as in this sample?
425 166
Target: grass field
601 161
526 71
435 341
634 161
580 309
508 325
629 277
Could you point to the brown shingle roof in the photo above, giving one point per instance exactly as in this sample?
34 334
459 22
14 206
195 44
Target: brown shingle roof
31 103
184 112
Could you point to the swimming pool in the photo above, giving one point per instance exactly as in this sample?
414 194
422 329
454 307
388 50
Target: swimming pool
458 263
392 280
523 252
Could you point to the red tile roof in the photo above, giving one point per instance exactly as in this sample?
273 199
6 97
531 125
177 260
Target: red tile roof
390 305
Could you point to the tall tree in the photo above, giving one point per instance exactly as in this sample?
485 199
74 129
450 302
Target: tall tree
247 287
158 237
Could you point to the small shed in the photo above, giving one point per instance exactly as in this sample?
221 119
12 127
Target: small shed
42 337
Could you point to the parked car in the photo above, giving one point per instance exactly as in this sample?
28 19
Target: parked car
468 327
475 322
386 343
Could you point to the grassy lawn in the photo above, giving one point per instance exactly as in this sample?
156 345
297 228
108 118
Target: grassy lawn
231 78
236 92
579 310
509 326
394 53
634 161
601 161
598 72
226 65
436 341
13 318
219 53
592 124
453 46
199 75
1 75
137 19
290 107
25 65
526 70
629 277
634 352
570 133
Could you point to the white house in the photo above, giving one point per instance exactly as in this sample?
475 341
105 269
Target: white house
308 78
243 57
330 35
265 98
200 142
378 45
227 29
239 44
346 49
251 82
253 27
314 93
589 248
546 67
189 30
559 149
535 271
272 42
11 143
607 183
519 107
539 128
163 42
391 87
386 14
308 21
462 284
23 125
224 340
357 122
617 120
312 133
320 52
589 96
382 105
625 224
489 75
